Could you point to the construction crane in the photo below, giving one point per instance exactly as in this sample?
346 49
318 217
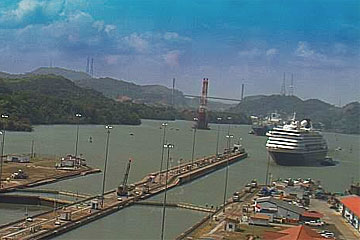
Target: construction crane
123 189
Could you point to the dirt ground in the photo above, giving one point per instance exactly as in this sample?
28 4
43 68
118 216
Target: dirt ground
37 170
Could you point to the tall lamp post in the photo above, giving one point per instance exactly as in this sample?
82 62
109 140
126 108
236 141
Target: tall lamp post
164 125
217 138
267 169
193 145
168 146
1 160
78 115
229 119
226 171
108 127
3 116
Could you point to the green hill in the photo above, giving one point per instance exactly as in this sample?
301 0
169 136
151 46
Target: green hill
69 74
50 99
119 89
345 119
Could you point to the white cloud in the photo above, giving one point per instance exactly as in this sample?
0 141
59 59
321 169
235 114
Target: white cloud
99 25
109 28
175 36
271 52
171 35
171 58
40 27
137 42
255 52
310 58
303 50
33 12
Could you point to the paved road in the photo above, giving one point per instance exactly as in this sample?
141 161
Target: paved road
333 217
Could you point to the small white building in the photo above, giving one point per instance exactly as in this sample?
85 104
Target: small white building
65 215
19 158
259 219
71 161
231 223
95 204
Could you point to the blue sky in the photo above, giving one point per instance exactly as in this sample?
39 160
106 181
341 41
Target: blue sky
228 41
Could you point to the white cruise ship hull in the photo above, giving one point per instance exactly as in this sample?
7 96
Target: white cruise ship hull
293 158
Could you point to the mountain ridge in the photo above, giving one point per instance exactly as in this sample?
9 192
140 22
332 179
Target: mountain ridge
153 94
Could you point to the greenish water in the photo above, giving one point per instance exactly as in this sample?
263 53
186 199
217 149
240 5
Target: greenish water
13 212
144 147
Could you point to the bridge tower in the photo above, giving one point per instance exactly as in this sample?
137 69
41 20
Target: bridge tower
202 120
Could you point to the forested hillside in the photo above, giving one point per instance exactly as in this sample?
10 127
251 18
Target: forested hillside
345 119
50 99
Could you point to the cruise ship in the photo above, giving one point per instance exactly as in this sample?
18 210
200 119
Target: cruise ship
296 144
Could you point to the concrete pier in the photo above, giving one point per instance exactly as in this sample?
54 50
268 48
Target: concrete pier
74 215
53 176
178 205
33 200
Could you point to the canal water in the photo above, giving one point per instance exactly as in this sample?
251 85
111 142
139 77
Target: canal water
143 145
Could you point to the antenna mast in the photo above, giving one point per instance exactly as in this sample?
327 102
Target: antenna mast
283 88
172 93
291 87
87 65
92 67
242 91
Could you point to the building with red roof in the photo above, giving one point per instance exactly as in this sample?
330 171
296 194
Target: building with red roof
351 210
294 233
311 216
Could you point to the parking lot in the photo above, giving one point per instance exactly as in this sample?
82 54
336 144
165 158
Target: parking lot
335 222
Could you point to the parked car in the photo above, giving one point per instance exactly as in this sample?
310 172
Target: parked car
315 223
328 235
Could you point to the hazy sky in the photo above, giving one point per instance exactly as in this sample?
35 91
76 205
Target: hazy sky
227 41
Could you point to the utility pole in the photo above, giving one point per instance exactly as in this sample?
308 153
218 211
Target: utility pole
217 138
3 116
267 169
78 116
108 127
168 146
32 149
164 125
193 144
227 170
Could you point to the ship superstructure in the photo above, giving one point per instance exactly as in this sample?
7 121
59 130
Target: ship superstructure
296 143
260 126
